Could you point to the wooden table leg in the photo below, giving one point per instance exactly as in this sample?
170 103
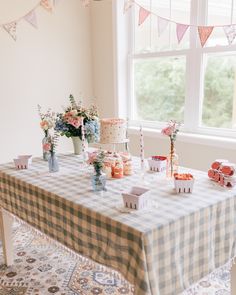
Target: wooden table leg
7 241
233 279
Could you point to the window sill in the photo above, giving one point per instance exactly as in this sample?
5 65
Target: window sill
208 140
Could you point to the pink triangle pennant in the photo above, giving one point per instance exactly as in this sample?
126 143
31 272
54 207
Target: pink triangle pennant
204 33
143 14
32 19
162 24
230 32
11 29
128 4
46 5
180 31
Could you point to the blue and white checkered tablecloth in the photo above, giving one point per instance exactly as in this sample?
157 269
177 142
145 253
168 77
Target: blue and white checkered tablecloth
162 251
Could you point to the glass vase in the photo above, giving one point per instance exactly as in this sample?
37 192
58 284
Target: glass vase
45 151
53 163
99 182
172 161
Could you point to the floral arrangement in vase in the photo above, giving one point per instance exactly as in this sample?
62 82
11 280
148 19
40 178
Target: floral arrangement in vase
99 178
69 123
171 131
50 146
47 123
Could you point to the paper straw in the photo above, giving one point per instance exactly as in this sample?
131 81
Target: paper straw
83 137
141 148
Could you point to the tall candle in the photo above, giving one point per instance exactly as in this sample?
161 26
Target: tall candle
141 148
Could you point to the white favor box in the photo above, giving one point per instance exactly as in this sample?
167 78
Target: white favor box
136 198
184 186
23 161
157 165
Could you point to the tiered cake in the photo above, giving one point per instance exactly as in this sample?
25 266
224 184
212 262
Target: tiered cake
113 131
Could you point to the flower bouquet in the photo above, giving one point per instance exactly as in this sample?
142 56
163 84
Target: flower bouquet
99 178
50 147
171 131
47 123
69 123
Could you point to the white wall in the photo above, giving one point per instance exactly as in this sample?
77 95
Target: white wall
102 30
198 156
42 67
193 155
69 51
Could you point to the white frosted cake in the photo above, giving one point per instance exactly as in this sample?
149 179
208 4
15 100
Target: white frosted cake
113 130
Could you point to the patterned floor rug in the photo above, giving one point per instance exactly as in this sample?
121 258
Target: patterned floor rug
41 269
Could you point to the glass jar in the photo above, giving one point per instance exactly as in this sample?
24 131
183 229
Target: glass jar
53 162
99 181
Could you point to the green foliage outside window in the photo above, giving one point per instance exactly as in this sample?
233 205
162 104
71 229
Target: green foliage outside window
160 90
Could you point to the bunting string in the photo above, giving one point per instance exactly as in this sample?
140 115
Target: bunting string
31 16
204 32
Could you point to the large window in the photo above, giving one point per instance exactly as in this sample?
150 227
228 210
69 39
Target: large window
185 82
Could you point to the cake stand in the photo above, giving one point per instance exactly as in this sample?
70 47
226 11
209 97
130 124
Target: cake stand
114 144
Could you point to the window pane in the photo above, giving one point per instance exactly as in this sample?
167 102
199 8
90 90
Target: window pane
219 105
160 89
219 13
146 35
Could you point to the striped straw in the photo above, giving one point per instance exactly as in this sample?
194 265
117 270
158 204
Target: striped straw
141 147
83 137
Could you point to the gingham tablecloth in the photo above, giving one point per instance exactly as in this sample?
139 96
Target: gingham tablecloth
162 251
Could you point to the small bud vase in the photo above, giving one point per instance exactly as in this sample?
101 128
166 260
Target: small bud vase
99 181
172 161
53 162
45 151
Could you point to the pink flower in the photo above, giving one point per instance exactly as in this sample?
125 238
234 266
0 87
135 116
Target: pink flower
76 122
92 157
168 131
47 147
44 125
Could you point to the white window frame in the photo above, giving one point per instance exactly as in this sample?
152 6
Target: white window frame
124 58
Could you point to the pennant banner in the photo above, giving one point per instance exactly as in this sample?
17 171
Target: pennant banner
143 14
162 24
46 5
204 33
32 19
128 4
11 29
230 32
180 31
